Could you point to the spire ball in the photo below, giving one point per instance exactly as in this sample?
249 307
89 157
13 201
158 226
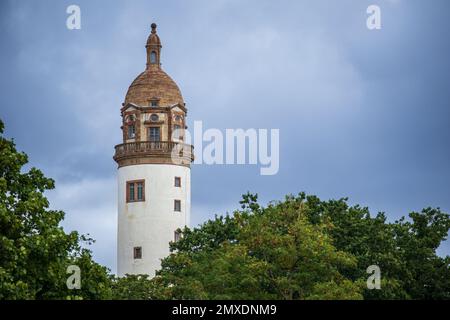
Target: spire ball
153 25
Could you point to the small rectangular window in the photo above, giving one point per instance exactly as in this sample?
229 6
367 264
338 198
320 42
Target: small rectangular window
177 205
137 252
154 134
176 132
154 103
131 193
178 182
177 236
131 132
153 57
140 191
135 191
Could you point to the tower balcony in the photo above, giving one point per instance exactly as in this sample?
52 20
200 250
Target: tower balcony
154 152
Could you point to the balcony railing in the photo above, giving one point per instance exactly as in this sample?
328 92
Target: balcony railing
169 149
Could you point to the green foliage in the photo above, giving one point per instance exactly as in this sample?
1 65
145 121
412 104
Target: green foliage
258 253
428 275
133 287
305 248
404 250
34 249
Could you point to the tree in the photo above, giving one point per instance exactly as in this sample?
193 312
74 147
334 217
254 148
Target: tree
258 253
405 250
34 249
427 275
306 248
133 287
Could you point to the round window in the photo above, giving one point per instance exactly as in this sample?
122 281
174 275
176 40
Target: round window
154 117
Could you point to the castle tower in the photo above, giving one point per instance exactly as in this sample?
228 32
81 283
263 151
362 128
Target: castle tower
154 195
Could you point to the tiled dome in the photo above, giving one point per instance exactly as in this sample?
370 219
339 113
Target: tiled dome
153 83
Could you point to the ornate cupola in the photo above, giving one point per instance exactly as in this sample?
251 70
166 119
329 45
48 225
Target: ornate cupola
153 47
153 111
153 167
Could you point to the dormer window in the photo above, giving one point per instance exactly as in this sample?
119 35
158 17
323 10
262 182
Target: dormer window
131 131
176 132
153 57
131 127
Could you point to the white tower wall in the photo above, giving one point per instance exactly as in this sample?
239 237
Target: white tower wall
150 224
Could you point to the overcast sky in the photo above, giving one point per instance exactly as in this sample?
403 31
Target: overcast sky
362 114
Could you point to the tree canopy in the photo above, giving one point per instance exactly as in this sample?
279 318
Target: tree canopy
305 248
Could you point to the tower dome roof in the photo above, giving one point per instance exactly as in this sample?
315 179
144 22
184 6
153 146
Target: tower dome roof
153 83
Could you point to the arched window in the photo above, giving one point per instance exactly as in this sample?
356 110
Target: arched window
153 57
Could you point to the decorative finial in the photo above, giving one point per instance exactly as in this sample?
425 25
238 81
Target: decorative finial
153 27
